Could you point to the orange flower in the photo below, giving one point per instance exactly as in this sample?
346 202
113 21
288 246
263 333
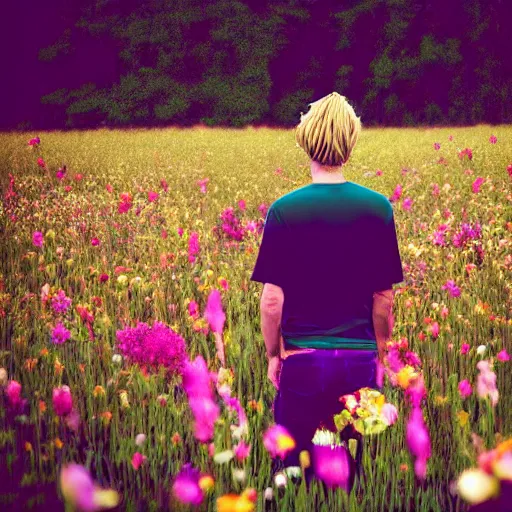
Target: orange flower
404 468
81 367
58 444
30 364
28 447
43 352
42 406
106 417
176 439
98 390
58 366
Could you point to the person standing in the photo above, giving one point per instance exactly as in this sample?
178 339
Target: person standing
328 259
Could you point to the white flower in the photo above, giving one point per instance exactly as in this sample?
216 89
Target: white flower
476 486
268 494
481 349
117 358
239 474
223 457
293 471
139 440
3 377
280 479
324 437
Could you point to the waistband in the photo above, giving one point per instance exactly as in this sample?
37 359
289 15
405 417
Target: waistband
330 342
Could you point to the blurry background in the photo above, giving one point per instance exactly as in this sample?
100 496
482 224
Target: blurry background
88 63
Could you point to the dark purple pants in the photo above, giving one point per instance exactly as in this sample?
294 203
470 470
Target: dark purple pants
309 389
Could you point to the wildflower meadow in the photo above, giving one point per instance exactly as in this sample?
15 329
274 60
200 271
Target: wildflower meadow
133 373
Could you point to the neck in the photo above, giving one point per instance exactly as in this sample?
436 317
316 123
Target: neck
326 174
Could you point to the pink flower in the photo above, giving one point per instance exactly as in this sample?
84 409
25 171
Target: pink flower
37 238
41 163
193 246
389 413
396 194
153 196
62 401
164 185
241 204
202 183
503 356
224 284
109 188
333 465
477 184
242 450
407 203
437 146
435 189
509 170
34 142
60 334
450 137
434 329
186 486
464 349
214 313
13 392
60 174
78 487
493 139
206 412
466 151
378 172
486 382
95 242
103 278
278 441
465 388
418 441
137 460
180 231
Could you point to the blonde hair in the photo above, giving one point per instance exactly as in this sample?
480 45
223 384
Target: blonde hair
329 131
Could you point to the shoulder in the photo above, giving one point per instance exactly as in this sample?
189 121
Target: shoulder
380 205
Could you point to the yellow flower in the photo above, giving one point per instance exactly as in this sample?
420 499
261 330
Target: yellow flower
405 376
462 416
206 483
285 442
123 395
441 400
234 503
304 459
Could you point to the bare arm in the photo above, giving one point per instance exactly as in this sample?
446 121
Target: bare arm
383 319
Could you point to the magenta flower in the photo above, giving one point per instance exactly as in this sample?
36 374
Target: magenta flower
437 146
214 313
418 441
103 278
202 183
464 349
503 356
465 388
152 196
435 189
34 142
13 392
477 184
509 170
60 174
333 465
464 152
242 450
95 242
278 441
452 288
493 139
193 309
396 194
486 382
60 334
37 238
193 246
186 486
62 401
153 346
61 303
206 412
137 460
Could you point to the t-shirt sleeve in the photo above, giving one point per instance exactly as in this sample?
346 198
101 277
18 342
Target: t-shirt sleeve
387 264
270 263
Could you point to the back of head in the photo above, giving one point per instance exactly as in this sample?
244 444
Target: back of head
329 131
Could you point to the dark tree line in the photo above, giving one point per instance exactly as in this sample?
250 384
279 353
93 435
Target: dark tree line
235 62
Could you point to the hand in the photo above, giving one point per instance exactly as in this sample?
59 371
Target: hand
274 370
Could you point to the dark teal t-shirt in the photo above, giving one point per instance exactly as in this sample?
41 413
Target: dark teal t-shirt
329 247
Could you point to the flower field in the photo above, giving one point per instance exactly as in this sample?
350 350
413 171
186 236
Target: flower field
124 287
